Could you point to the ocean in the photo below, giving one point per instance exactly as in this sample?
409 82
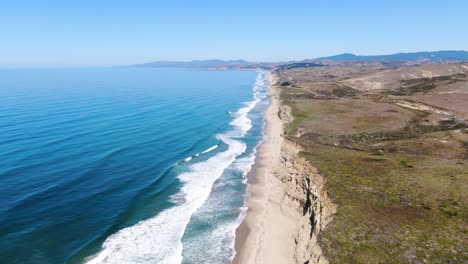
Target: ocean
125 165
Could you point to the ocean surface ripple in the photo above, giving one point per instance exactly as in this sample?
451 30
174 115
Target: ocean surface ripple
125 165
159 239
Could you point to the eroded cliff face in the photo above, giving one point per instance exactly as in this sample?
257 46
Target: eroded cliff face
284 114
304 191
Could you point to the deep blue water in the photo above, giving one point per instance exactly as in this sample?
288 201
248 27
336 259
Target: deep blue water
125 165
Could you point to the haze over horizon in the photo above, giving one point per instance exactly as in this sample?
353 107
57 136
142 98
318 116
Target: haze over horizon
56 33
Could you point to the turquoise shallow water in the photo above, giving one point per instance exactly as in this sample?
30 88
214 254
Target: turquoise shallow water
125 165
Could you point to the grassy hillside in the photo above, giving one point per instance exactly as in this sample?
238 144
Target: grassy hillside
399 176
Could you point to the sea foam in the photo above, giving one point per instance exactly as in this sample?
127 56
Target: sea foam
158 239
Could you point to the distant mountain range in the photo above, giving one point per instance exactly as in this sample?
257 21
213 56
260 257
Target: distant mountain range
433 56
196 64
420 57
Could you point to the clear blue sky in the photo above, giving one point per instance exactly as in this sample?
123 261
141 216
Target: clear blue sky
80 33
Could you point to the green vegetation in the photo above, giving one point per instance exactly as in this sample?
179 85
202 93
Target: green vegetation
401 192
397 208
345 91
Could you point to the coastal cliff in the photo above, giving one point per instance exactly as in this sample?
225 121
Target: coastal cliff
304 193
288 205
393 161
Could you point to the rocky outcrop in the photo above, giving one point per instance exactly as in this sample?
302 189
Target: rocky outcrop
305 192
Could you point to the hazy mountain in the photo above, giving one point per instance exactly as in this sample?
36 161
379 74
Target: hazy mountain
397 59
196 64
434 56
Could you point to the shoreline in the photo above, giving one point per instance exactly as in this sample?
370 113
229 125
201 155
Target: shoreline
263 235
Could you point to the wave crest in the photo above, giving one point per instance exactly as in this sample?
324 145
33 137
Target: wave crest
158 239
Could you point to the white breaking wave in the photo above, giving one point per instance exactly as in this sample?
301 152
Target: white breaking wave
198 154
219 240
158 239
210 149
245 164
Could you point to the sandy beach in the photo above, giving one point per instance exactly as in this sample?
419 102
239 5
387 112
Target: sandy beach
263 236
